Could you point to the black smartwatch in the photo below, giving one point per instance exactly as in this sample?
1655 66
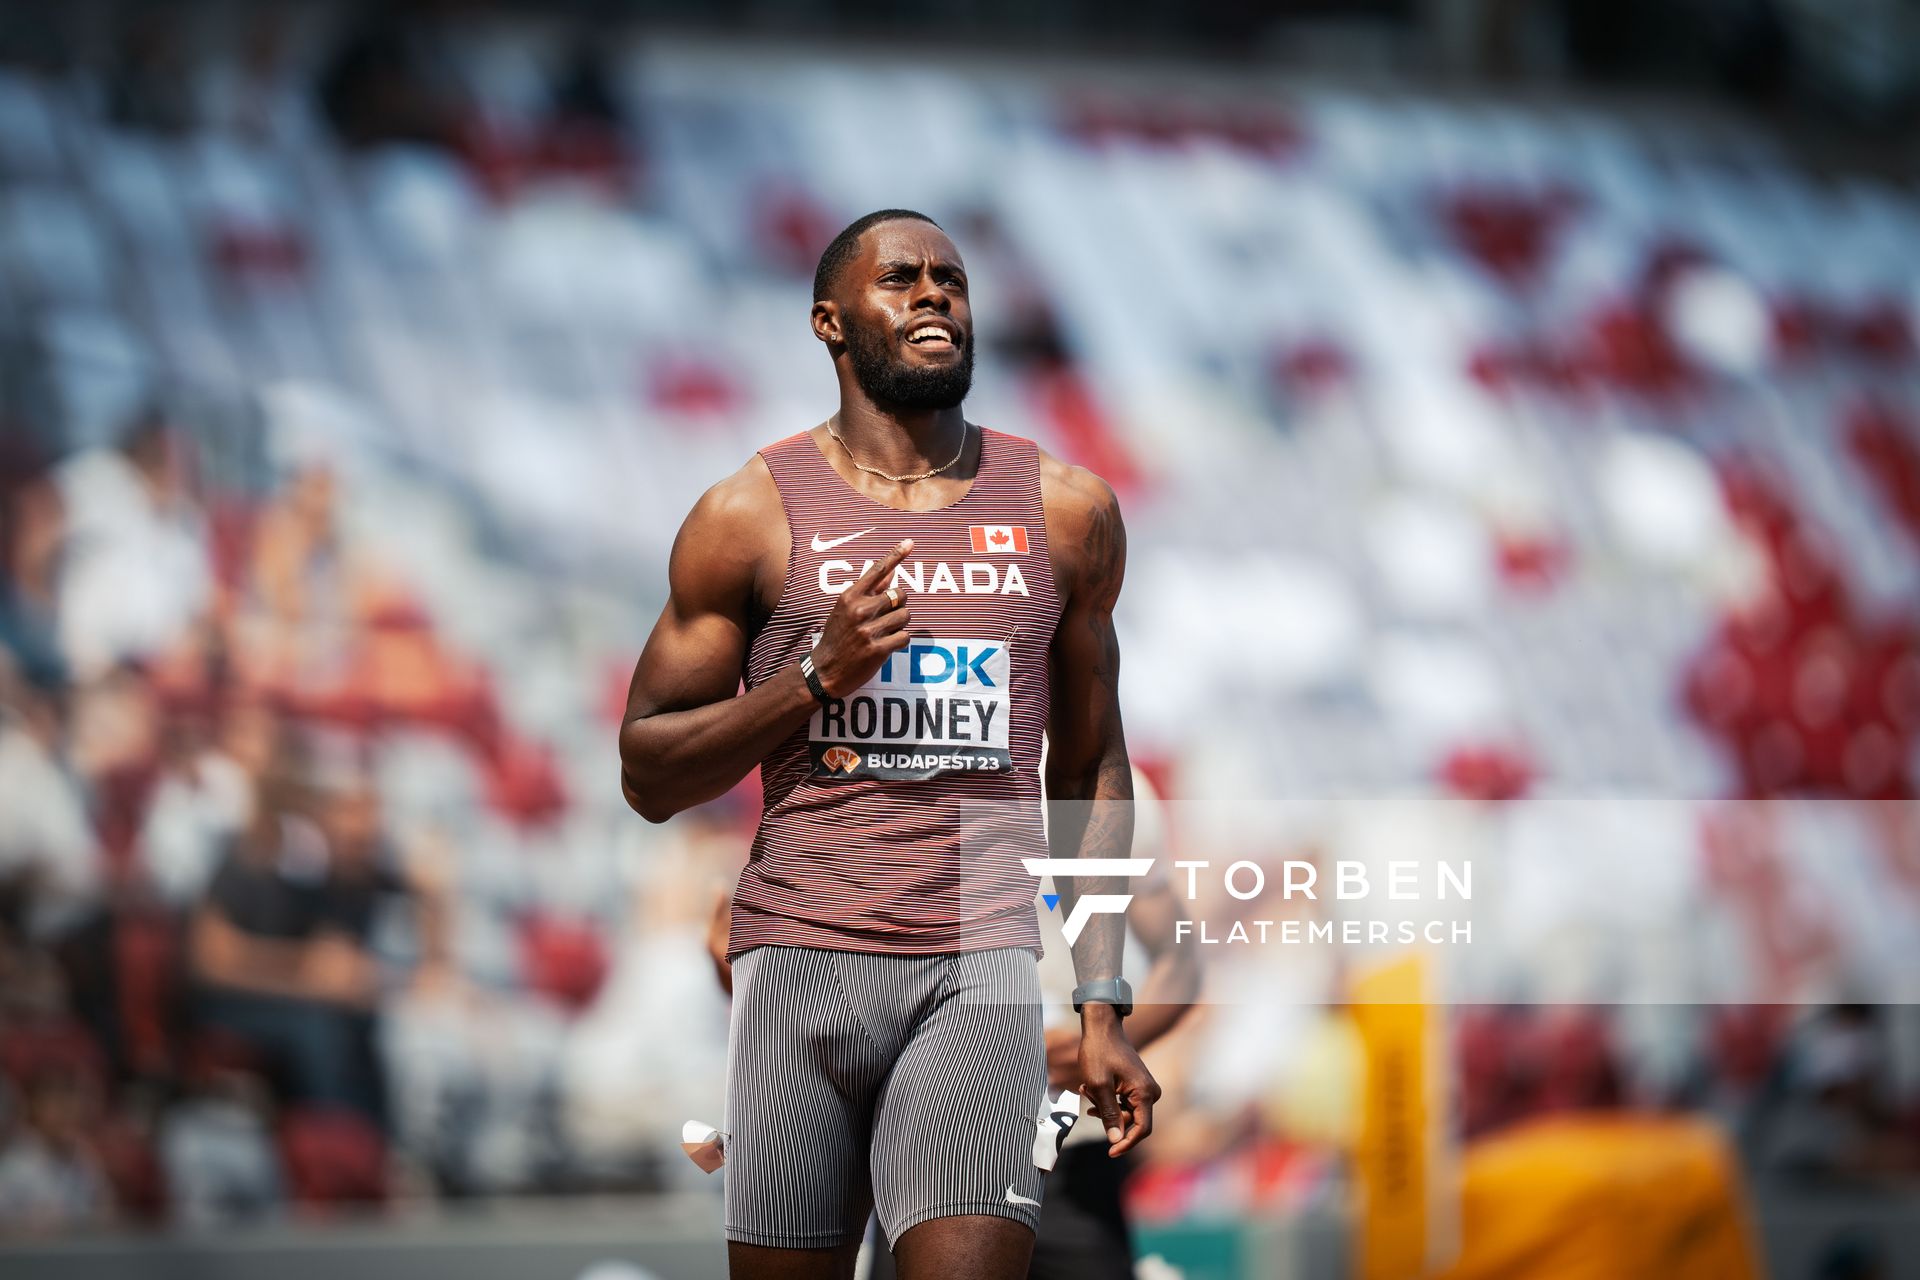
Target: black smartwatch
1113 991
819 691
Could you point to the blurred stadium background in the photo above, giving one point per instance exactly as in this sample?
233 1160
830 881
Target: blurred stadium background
1515 405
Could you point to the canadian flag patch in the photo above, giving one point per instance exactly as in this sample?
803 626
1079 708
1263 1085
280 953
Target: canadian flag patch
1010 539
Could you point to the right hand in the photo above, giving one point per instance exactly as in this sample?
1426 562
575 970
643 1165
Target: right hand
864 628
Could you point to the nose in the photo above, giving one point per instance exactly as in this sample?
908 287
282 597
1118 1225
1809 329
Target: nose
927 293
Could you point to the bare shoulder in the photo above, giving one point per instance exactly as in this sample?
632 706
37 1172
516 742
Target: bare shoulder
1073 497
734 539
746 498
1085 534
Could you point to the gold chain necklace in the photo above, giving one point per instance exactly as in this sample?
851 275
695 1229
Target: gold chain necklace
887 475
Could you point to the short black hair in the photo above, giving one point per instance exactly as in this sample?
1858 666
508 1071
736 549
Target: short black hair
839 253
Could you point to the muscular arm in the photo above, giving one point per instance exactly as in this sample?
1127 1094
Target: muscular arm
1089 783
1161 999
689 734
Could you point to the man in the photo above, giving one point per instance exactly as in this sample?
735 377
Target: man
886 1047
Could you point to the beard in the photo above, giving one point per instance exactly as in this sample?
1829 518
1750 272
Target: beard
897 385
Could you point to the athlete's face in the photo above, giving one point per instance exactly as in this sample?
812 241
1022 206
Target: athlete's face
903 314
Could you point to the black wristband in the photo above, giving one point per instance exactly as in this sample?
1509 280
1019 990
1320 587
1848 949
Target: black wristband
814 686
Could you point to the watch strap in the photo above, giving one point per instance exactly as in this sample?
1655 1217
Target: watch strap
814 686
1113 991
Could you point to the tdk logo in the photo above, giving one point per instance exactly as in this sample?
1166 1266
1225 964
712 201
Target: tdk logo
935 664
1089 905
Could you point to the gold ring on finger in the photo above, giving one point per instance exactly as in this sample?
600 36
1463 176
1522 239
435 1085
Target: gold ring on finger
893 598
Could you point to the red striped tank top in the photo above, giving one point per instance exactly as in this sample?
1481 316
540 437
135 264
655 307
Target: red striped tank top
896 818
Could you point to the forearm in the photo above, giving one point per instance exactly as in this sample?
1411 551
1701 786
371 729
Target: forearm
226 957
673 760
1091 816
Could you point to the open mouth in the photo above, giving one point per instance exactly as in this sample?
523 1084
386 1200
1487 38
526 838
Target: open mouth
931 335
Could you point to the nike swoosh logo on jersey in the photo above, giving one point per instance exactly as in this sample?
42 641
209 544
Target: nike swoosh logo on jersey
828 544
1014 1199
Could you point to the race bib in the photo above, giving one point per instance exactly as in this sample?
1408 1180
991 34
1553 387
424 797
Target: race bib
938 706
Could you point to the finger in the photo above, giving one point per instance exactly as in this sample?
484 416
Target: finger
1107 1107
1140 1105
893 641
883 568
884 623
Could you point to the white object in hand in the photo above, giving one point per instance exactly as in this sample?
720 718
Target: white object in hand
705 1145
1051 1125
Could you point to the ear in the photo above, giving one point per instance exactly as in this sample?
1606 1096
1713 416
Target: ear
826 322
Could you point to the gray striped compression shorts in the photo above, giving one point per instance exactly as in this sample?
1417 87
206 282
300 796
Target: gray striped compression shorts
905 1083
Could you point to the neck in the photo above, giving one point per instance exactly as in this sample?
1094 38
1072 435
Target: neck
903 441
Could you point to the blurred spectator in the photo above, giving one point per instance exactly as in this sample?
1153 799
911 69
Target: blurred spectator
299 578
280 945
383 83
50 1180
200 808
151 81
47 846
134 567
662 977
1833 1123
216 1141
32 527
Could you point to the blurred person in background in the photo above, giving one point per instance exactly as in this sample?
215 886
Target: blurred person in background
134 569
386 82
215 1141
658 979
48 851
885 885
203 803
281 944
297 610
1832 1122
50 1178
32 529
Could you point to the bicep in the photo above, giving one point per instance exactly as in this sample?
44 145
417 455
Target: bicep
1086 681
698 646
1084 719
693 658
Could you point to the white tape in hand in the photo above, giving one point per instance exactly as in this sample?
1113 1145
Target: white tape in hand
1051 1125
705 1145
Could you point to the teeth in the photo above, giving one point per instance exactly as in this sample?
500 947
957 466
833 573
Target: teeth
929 332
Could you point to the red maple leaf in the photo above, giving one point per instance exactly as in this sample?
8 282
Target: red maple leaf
998 535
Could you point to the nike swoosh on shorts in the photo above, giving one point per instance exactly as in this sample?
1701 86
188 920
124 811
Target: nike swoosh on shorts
1014 1199
828 544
